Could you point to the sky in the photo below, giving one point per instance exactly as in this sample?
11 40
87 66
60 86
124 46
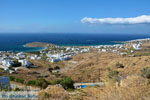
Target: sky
75 16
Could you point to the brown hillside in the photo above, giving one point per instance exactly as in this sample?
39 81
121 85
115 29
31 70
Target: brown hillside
95 66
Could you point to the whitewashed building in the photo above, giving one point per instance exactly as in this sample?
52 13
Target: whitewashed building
24 63
7 62
137 46
20 55
59 57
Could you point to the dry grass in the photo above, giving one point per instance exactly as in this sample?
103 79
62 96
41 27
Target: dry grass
53 93
116 93
131 91
94 66
132 88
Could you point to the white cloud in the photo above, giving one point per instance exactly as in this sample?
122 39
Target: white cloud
144 19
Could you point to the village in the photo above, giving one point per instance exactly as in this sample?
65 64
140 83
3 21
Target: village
56 54
12 62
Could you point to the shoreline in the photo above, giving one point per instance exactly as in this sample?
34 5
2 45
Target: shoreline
39 48
43 48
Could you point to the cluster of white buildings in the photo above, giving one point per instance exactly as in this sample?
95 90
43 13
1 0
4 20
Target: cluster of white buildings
109 48
59 57
69 52
34 57
20 57
136 46
77 50
139 40
8 59
117 49
25 63
6 62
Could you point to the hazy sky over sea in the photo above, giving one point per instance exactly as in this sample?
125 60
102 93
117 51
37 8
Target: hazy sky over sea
75 16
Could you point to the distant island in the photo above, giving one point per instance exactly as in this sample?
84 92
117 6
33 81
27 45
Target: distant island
39 44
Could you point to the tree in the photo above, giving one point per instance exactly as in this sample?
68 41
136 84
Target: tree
50 69
66 82
56 68
12 78
16 64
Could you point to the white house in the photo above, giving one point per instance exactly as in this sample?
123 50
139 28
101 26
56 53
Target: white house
34 57
84 50
7 62
20 55
136 46
68 49
24 63
104 50
59 57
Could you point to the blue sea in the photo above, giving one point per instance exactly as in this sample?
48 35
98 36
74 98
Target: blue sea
15 42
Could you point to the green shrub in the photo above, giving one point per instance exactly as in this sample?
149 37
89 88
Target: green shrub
12 78
46 95
118 65
146 72
19 80
39 82
148 81
55 82
10 68
17 89
57 74
16 64
66 82
31 82
42 83
113 74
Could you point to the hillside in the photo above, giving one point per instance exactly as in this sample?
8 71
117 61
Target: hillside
94 67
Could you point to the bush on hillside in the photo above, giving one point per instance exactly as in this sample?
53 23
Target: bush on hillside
66 82
31 82
19 80
12 78
118 65
56 68
146 72
113 74
39 82
16 64
50 69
